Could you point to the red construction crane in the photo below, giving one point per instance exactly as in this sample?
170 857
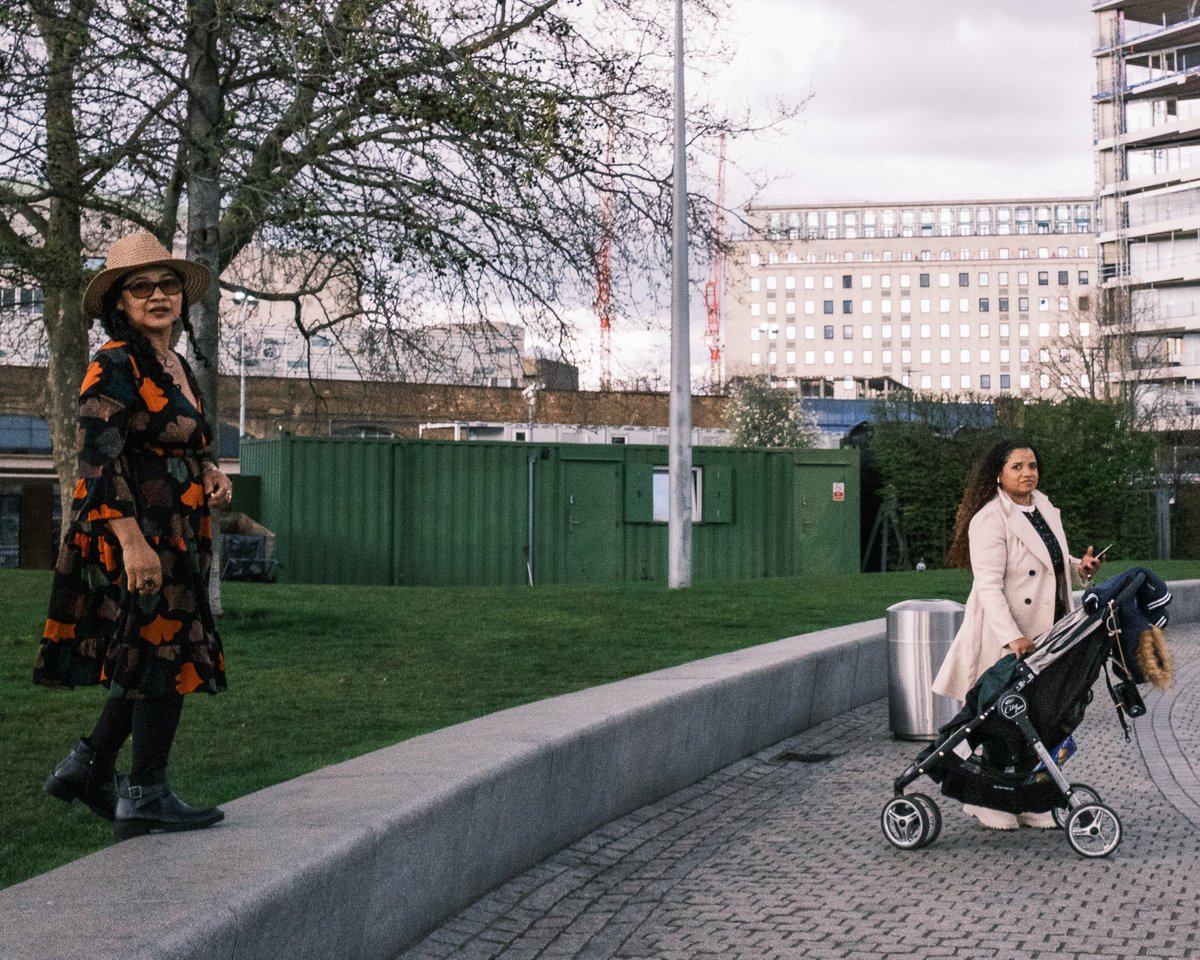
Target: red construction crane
712 289
604 270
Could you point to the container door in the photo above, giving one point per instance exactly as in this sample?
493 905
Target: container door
592 524
826 519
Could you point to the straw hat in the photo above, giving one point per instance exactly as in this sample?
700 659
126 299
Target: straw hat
134 252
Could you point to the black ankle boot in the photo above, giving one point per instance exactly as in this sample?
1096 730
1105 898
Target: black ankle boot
154 808
87 776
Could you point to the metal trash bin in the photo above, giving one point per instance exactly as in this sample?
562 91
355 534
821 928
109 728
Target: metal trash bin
919 634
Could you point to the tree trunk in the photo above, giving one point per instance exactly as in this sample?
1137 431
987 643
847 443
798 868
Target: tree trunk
203 148
67 341
62 275
204 188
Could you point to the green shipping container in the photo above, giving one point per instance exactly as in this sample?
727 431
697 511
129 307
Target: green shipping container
441 512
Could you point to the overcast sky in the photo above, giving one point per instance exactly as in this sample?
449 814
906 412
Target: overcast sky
911 100
919 98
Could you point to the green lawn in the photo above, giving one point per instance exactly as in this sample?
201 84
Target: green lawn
319 674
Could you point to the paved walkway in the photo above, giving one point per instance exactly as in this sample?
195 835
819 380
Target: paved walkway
781 856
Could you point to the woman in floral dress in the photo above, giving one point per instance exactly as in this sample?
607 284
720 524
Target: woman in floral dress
129 605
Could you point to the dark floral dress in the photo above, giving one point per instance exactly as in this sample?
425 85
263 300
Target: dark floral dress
142 448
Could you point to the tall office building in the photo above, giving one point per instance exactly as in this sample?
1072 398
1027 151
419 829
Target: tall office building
982 297
1147 120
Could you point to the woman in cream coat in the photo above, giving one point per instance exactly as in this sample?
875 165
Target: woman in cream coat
1011 537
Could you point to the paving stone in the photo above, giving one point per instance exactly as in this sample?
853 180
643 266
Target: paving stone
773 857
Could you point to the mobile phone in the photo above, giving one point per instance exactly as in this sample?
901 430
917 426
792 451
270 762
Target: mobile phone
1101 553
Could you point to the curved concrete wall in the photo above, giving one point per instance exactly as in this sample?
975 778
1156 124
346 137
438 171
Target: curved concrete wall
358 860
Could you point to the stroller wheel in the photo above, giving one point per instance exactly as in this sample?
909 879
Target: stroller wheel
1093 830
906 822
1078 790
935 817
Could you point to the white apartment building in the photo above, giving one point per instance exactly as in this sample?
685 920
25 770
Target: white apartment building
1147 120
983 297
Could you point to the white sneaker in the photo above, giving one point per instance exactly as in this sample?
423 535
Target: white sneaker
1039 821
992 819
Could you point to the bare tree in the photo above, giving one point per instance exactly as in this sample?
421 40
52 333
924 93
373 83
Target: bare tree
433 152
1108 348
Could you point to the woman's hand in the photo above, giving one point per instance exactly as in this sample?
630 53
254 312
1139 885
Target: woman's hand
217 487
1021 646
1088 564
143 569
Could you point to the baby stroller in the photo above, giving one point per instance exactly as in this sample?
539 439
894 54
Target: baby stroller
994 754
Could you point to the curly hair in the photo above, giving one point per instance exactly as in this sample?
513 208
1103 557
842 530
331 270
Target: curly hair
981 487
117 326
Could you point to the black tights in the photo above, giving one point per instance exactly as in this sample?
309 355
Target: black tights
152 723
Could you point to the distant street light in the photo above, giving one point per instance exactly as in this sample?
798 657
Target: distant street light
245 300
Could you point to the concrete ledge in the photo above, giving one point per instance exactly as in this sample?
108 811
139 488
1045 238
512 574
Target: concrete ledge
359 860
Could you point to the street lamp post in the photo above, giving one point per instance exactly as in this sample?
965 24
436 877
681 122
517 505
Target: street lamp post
679 522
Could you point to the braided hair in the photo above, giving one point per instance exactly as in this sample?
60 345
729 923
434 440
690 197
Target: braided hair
981 487
116 324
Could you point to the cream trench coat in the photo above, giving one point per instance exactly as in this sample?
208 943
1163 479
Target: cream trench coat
1013 591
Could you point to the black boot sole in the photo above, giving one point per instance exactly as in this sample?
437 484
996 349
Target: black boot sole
127 829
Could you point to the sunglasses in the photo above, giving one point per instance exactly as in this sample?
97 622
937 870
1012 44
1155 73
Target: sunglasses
144 289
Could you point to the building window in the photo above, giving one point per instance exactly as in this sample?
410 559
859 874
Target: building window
847 332
829 332
983 305
847 306
1064 277
964 382
1083 278
847 281
1002 304
1043 278
1023 304
983 279
964 279
985 381
924 279
827 307
1005 381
